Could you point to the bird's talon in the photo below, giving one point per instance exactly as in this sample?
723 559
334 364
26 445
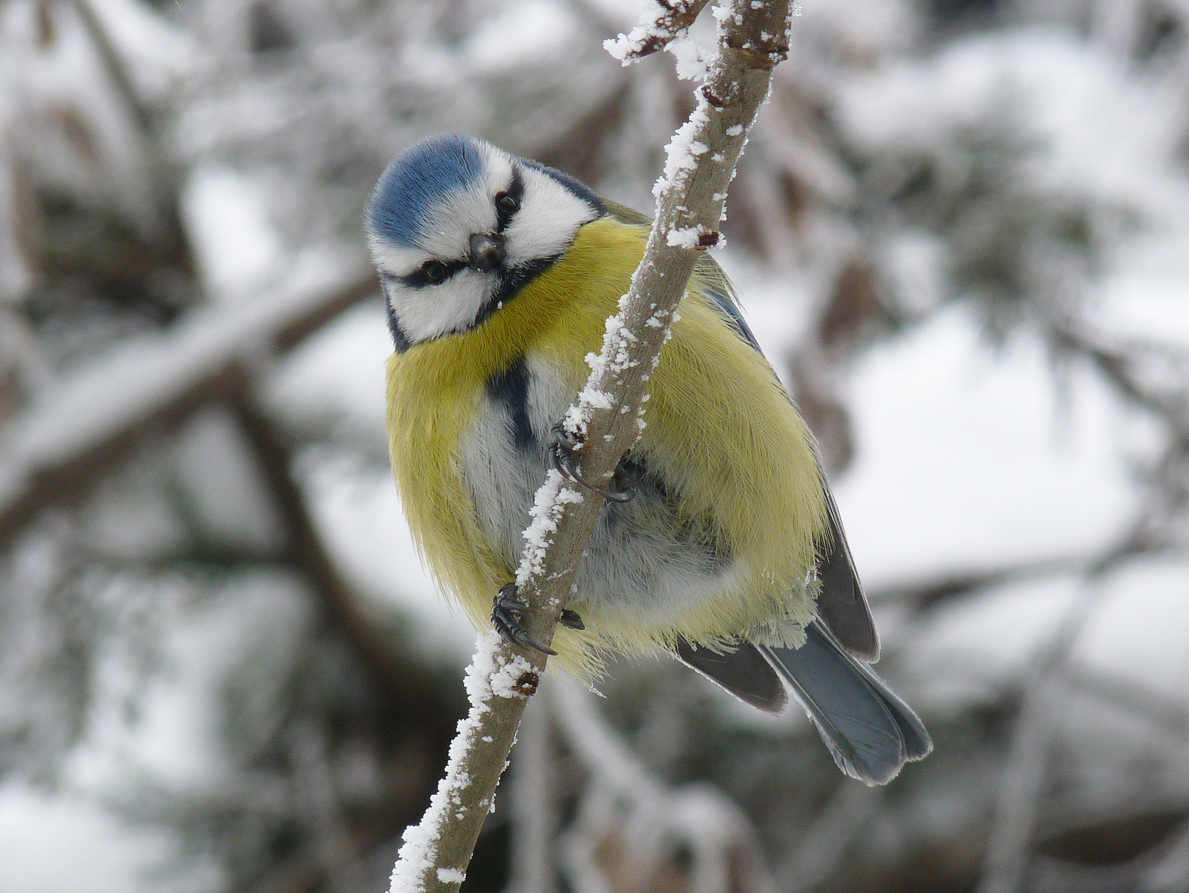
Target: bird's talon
571 619
505 617
562 452
563 446
623 482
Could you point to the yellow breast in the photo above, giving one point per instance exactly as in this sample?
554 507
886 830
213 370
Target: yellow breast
720 430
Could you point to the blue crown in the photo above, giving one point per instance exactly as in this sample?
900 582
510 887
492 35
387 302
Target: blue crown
416 180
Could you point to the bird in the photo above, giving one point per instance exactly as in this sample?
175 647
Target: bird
718 541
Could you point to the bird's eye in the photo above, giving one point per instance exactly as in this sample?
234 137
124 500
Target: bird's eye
507 204
434 271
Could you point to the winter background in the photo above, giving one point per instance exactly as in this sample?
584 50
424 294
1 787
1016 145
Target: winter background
961 232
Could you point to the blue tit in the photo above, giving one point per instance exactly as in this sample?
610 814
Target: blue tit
721 543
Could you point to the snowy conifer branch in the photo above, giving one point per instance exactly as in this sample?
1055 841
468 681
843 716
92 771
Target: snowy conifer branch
752 39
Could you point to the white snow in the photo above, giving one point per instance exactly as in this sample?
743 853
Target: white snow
237 247
336 376
683 238
1146 294
1138 632
175 735
52 843
1093 127
680 154
967 456
358 509
538 30
552 498
970 650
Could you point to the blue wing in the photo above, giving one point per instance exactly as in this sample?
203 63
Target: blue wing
730 311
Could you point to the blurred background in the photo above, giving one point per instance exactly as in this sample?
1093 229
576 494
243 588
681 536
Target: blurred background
961 230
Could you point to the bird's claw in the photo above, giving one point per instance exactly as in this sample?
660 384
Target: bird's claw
563 452
571 619
505 617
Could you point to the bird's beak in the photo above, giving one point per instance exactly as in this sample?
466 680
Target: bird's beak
486 251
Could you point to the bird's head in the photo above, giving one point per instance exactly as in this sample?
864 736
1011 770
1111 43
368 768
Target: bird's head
456 227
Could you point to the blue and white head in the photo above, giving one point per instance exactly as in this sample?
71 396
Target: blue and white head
456 227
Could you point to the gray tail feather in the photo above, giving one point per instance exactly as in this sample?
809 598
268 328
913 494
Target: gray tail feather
744 672
869 731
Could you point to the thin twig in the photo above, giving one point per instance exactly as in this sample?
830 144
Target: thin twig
673 22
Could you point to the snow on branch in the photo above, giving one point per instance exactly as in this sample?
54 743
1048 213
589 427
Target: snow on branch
606 420
54 452
671 23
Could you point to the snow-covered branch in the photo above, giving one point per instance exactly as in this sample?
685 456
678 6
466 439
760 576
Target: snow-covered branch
752 39
55 451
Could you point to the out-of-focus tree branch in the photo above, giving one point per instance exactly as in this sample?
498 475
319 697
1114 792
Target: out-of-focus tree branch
56 450
307 551
641 833
1019 796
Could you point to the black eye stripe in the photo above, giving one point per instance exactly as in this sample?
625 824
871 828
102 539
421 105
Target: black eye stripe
422 277
515 191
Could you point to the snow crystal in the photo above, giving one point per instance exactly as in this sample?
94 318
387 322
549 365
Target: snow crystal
451 876
552 498
680 155
686 237
626 46
690 59
505 681
595 398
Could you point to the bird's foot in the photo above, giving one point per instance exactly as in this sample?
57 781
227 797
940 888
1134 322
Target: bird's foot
563 453
572 619
506 611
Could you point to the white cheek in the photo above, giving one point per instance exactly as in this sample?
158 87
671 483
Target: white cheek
394 259
426 313
547 220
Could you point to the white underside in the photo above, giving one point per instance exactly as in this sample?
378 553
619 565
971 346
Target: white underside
632 571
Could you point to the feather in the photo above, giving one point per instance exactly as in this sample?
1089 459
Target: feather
868 730
840 602
743 672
